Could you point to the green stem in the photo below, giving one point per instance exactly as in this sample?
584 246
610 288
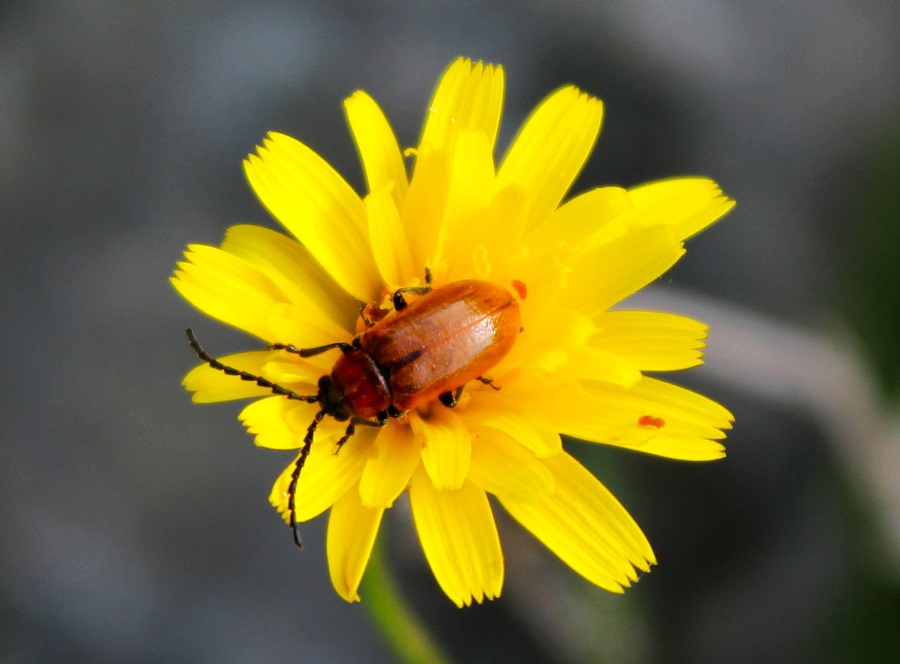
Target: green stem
394 618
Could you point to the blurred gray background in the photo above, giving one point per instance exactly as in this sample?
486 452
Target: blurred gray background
136 526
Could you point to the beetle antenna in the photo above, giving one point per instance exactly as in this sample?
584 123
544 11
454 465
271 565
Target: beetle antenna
295 475
243 375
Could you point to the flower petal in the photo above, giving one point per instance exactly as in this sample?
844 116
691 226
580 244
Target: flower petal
583 524
211 385
277 423
325 476
392 460
377 146
352 529
423 208
299 326
503 467
551 148
556 346
289 370
471 189
467 102
225 287
582 223
459 538
496 239
618 268
688 205
600 364
447 448
542 275
547 339
554 351
468 98
389 244
652 417
296 273
527 426
651 341
314 203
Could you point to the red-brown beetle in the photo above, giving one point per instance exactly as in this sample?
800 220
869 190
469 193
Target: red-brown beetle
426 350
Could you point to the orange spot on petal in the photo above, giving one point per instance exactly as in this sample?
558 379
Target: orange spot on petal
651 421
521 288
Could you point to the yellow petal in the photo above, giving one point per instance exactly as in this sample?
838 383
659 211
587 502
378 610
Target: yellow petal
325 476
652 417
495 239
651 341
423 209
225 287
352 529
277 423
547 338
459 538
503 467
527 426
389 244
447 447
618 268
553 350
688 205
582 223
297 325
377 146
543 275
289 370
468 98
392 460
685 404
551 148
314 203
600 364
211 385
471 189
296 273
583 524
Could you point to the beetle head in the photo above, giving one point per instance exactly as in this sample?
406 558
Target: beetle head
330 400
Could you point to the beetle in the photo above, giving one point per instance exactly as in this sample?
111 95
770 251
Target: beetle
425 350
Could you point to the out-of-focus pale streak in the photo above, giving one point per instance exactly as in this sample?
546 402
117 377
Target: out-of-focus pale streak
823 371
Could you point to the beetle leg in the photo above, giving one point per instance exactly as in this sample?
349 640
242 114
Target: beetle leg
362 314
489 382
309 352
243 375
400 302
398 299
450 399
380 421
351 429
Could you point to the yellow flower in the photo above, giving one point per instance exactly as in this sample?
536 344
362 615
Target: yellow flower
577 368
